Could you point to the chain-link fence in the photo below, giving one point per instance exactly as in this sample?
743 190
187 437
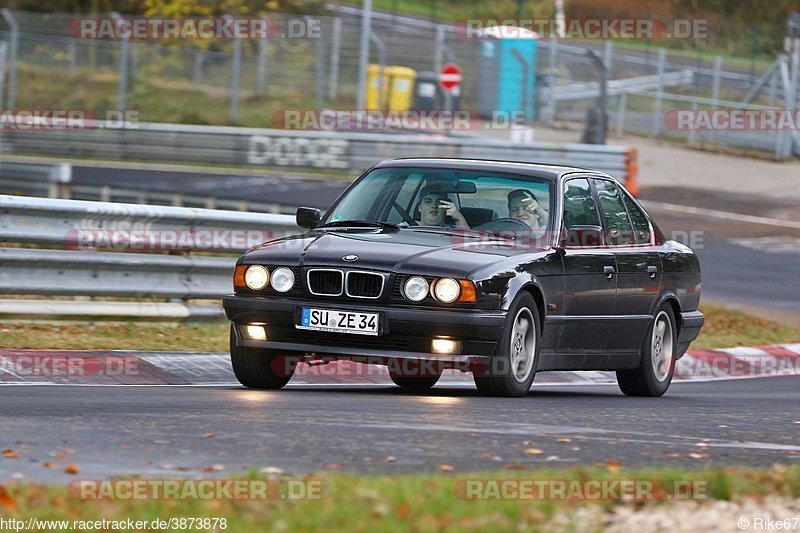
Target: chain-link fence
314 63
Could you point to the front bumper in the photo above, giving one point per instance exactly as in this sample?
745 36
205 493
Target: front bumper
406 332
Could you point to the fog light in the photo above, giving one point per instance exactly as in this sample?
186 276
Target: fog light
445 346
257 333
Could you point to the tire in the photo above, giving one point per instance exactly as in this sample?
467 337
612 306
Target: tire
416 376
259 368
513 366
657 365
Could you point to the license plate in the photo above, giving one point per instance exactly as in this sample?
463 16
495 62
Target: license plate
339 321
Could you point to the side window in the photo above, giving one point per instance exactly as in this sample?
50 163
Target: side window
579 206
618 225
641 228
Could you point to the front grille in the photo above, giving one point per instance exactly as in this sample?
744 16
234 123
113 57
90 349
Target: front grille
325 282
364 284
345 340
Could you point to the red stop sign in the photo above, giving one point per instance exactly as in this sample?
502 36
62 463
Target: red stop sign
450 76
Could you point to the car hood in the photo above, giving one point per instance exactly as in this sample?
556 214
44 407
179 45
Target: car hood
417 251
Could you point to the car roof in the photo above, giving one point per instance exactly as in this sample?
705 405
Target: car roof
519 167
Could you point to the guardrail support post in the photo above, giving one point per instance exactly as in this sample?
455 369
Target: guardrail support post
60 181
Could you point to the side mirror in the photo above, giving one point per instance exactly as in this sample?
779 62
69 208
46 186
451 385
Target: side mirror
588 235
308 217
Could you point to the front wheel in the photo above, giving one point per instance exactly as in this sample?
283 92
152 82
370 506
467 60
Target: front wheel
259 368
657 365
513 367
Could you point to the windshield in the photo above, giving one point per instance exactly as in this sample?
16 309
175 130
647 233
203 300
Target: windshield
445 198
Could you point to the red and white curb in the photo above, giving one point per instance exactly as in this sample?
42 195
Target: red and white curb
122 367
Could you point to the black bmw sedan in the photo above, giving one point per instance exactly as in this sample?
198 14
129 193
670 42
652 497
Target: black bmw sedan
500 269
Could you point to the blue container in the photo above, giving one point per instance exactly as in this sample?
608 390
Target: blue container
507 64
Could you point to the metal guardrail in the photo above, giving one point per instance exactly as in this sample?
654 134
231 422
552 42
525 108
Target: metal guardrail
579 91
330 150
55 181
86 271
79 223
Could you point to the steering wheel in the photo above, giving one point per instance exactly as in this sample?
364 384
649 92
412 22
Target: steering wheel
503 223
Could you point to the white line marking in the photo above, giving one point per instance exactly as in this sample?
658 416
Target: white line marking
726 215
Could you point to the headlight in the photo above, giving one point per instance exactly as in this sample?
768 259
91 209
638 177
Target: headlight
416 288
447 290
282 279
256 277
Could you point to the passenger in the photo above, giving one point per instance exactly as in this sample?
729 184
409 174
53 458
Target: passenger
524 206
435 208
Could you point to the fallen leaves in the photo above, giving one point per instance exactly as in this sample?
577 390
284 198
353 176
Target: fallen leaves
6 501
213 468
8 453
208 435
72 469
613 465
389 459
446 468
533 451
695 455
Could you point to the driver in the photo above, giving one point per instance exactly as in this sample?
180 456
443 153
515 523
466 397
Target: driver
524 206
435 207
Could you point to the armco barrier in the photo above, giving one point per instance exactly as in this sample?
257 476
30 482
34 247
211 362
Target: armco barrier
88 272
321 150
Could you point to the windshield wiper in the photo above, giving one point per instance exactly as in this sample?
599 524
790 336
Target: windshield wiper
359 223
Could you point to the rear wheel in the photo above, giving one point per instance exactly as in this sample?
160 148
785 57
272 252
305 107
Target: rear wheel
259 368
657 365
513 367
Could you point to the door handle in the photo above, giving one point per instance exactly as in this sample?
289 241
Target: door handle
652 271
608 271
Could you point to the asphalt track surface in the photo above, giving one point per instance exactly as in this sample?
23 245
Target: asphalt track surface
164 431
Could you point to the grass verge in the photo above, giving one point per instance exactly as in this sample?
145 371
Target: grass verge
724 328
423 502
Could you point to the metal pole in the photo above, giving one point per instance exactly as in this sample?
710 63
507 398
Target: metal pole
319 70
197 71
690 138
363 55
73 55
3 48
122 93
623 105
336 44
608 53
658 119
437 51
261 68
13 50
715 82
382 62
235 73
